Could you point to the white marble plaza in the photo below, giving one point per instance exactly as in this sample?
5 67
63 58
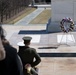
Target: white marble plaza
35 39
65 38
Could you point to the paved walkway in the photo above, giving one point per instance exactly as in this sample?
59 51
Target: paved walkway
26 20
47 45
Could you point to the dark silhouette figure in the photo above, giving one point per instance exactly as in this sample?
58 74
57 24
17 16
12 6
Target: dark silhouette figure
10 64
27 55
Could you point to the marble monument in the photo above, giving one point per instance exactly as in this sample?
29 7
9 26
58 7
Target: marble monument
59 10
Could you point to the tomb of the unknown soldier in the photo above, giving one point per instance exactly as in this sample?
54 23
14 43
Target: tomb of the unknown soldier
59 10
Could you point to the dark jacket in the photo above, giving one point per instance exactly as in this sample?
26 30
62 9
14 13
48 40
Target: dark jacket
27 56
11 64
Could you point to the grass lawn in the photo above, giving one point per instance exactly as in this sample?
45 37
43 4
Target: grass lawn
42 18
21 15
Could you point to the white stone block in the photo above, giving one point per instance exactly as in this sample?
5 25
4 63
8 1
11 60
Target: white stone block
63 8
67 38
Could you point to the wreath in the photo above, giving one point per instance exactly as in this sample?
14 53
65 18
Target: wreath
66 28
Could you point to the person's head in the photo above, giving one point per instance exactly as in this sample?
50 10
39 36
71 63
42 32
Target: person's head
27 40
2 51
2 33
2 36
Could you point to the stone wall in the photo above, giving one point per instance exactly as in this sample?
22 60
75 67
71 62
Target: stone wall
63 8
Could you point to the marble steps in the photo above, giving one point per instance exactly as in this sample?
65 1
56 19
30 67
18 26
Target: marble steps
61 51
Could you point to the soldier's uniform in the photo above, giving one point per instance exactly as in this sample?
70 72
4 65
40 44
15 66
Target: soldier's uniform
28 54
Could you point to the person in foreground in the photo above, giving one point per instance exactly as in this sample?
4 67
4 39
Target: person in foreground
30 58
9 61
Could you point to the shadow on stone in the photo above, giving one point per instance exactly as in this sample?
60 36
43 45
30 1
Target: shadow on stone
33 32
47 47
57 54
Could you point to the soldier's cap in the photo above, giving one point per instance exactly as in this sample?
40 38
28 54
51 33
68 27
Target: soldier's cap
27 38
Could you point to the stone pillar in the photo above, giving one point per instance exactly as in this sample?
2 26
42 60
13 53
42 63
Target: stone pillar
61 9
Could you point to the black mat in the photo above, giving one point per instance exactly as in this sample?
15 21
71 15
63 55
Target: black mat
47 47
33 32
57 54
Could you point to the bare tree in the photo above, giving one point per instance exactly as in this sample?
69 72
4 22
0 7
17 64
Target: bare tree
9 8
